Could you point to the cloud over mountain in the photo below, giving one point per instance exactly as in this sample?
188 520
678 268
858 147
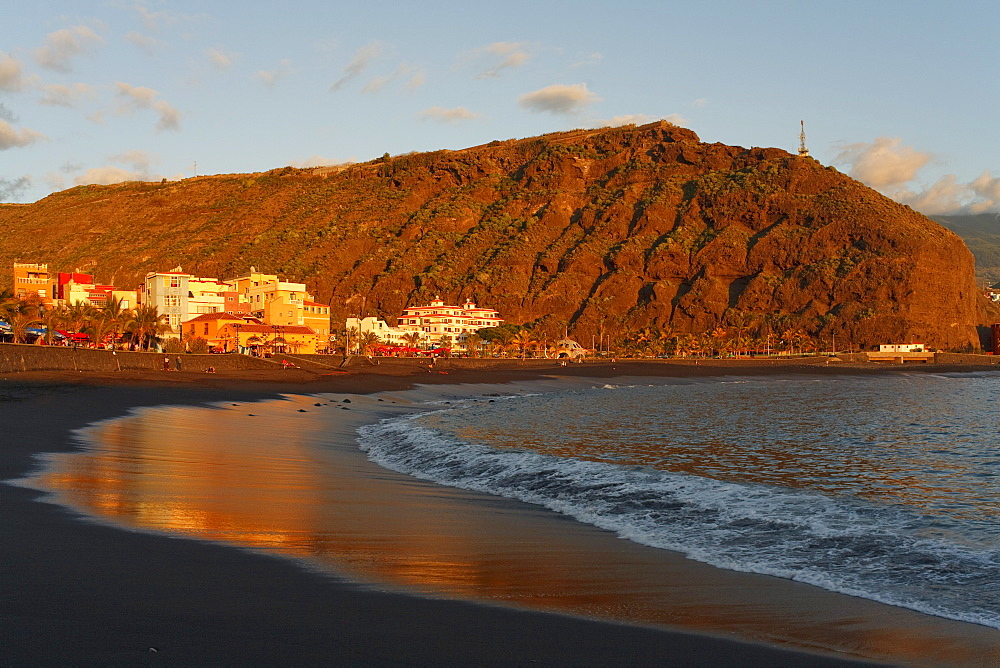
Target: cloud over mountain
559 99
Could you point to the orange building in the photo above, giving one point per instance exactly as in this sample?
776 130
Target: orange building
210 326
258 338
31 278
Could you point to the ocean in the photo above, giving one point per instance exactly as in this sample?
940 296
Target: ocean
674 499
884 487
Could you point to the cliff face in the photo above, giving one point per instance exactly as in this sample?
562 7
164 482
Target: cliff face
593 230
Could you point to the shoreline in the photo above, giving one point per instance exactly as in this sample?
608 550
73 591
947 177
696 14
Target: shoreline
89 593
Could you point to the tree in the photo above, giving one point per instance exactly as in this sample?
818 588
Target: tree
523 341
412 339
472 343
367 343
146 326
53 318
21 314
197 345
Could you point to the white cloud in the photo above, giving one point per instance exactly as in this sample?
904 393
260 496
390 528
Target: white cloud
638 119
65 96
591 59
220 59
6 114
11 189
987 186
144 42
312 161
11 138
885 163
363 57
138 166
140 161
157 20
500 56
415 78
55 182
893 169
271 77
106 176
11 77
141 97
559 99
443 115
418 79
946 195
62 46
700 102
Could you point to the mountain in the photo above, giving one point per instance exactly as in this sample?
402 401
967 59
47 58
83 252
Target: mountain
594 231
981 233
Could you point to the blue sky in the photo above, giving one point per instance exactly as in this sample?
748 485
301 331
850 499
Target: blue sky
901 95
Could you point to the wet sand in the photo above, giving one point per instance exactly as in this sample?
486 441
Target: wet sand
80 592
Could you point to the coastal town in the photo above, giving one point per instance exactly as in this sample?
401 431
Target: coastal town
254 313
264 315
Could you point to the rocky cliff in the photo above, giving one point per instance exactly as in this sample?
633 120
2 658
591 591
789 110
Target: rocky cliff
591 230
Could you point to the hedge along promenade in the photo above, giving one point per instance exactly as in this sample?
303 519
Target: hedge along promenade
16 357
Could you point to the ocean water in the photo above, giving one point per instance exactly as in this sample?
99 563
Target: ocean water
883 487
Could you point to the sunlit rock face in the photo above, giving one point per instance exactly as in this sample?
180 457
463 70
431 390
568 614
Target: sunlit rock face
594 231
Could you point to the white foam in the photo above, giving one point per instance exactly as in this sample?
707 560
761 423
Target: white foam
846 545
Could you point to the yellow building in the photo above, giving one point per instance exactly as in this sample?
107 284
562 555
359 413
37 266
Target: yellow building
273 339
316 316
274 301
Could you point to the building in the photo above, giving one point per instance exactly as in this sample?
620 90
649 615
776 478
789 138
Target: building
168 292
275 339
392 336
31 278
71 287
447 324
208 326
272 300
316 317
206 295
439 324
901 348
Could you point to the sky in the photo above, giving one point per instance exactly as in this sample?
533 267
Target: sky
902 95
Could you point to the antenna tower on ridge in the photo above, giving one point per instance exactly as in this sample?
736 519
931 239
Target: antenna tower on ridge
803 151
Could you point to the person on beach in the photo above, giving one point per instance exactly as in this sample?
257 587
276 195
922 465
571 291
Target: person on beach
166 363
177 363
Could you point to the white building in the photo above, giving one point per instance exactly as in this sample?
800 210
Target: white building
438 323
168 292
901 348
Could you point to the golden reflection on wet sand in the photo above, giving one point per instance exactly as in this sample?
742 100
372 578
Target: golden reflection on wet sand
294 483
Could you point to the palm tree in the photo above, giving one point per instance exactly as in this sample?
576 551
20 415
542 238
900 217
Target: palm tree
21 314
472 343
503 341
523 340
146 326
412 340
719 345
53 319
367 343
116 315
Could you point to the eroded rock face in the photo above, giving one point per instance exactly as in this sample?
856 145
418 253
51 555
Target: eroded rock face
594 230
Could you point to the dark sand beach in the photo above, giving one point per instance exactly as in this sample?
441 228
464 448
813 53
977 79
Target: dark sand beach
81 592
